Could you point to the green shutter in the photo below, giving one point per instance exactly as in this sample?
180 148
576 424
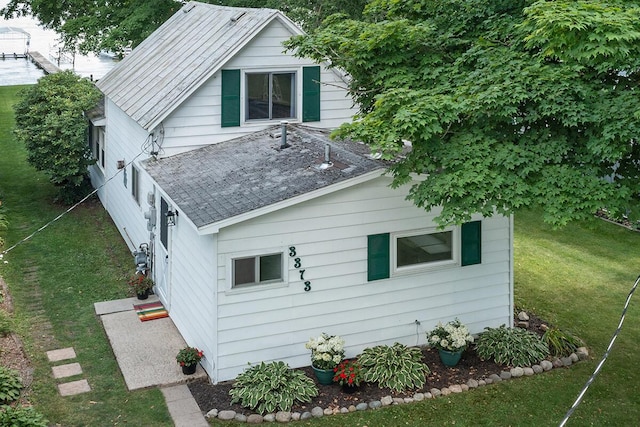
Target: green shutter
471 243
311 94
230 98
378 256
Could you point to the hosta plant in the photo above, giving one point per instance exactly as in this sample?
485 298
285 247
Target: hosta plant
21 417
270 387
511 346
561 343
10 385
397 367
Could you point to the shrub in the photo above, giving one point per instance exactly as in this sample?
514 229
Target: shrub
397 367
21 417
561 343
511 346
5 323
10 385
268 387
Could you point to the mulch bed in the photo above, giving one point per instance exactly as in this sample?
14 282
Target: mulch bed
209 396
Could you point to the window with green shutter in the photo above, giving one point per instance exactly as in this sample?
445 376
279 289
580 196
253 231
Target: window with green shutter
311 94
378 256
471 243
230 98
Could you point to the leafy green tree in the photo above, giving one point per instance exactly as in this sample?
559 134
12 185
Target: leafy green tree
506 104
92 26
50 122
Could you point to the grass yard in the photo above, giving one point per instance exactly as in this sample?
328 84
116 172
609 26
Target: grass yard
577 278
54 279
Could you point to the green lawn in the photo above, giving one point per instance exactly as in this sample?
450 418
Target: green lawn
54 278
577 278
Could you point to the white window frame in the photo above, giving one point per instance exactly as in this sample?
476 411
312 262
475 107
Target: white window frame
98 146
455 251
255 286
297 94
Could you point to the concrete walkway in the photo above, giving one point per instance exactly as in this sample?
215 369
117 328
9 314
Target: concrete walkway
146 351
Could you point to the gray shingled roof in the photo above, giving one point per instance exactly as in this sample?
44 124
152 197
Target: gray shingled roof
180 55
228 179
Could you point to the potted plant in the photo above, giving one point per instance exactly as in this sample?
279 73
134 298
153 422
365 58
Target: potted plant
327 351
451 339
348 374
188 359
141 285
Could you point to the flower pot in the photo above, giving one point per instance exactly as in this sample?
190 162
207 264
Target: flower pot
450 358
324 376
189 369
143 295
349 389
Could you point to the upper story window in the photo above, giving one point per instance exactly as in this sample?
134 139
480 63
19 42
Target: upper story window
273 95
270 96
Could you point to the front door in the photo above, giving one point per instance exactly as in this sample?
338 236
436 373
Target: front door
161 261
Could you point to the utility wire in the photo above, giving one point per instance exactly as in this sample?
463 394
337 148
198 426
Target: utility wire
143 148
604 357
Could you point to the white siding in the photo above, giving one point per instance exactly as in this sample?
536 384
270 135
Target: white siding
330 237
192 291
124 140
196 122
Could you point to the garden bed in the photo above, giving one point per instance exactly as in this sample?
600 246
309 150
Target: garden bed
209 396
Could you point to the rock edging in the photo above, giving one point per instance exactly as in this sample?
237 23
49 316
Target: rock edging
285 416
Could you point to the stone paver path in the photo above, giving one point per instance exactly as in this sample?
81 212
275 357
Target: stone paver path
67 370
62 354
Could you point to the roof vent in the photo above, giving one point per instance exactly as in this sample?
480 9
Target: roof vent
283 135
188 7
327 157
238 16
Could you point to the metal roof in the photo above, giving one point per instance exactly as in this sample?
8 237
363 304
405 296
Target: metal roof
223 183
168 66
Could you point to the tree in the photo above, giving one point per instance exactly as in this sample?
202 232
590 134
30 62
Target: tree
50 122
506 104
117 24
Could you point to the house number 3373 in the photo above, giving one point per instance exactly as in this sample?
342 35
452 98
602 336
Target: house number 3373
297 263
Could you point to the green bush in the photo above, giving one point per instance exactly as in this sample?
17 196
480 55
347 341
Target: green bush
10 385
21 417
5 323
561 343
268 387
397 367
511 346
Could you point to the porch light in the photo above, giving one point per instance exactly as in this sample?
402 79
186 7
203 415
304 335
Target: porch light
172 218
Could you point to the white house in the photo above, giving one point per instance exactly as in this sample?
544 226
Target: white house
263 234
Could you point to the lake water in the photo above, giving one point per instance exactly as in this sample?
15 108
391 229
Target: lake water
23 71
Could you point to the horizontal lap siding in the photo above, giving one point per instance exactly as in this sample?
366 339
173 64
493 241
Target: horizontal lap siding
330 236
123 141
196 122
192 293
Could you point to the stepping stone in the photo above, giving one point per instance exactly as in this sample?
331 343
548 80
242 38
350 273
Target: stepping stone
62 354
68 370
73 388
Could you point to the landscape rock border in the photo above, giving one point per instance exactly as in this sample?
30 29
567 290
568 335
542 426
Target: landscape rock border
285 416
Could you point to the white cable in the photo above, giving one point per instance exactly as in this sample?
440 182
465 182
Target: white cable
75 205
604 358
